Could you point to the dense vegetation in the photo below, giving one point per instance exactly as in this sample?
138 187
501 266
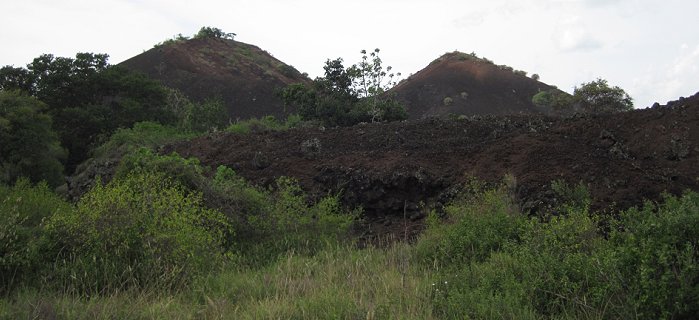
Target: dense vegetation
54 112
148 244
347 96
28 145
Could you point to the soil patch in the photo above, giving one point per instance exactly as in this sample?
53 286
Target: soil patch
245 77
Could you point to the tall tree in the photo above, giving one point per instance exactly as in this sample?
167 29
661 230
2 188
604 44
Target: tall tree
28 145
87 98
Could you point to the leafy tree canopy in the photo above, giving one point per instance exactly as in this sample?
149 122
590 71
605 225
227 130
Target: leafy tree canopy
210 32
597 96
28 145
87 98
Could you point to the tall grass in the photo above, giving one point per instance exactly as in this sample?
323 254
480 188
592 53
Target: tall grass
338 283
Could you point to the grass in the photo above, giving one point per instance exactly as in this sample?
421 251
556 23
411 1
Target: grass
338 283
268 123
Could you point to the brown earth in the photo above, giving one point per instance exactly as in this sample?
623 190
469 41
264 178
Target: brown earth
244 76
462 84
390 169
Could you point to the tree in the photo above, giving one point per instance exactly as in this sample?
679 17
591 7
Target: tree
28 145
347 96
302 98
209 32
87 98
371 81
597 96
12 78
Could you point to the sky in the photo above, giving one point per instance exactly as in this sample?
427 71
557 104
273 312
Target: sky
649 48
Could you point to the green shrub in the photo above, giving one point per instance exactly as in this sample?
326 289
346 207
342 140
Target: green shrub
499 265
142 230
657 256
571 199
267 123
205 116
477 227
142 134
23 207
566 268
187 172
283 220
553 98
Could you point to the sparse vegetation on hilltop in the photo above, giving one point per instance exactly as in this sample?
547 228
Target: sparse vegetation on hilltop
203 33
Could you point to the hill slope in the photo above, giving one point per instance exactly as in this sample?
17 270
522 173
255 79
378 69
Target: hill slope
623 158
244 76
460 83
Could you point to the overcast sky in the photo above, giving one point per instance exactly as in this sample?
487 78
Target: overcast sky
649 48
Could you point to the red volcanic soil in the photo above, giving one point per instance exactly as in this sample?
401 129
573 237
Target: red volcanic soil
390 168
462 84
244 76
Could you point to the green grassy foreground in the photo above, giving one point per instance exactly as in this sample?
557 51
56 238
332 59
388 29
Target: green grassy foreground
336 283
486 262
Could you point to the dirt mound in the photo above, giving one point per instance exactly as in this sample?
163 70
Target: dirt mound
463 84
244 76
392 169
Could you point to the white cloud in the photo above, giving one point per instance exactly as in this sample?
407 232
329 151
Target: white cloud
682 74
573 35
472 19
670 80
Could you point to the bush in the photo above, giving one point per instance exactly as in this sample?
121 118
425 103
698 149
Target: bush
656 252
282 221
140 231
553 98
23 208
142 134
500 264
496 265
477 228
268 123
267 223
187 172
